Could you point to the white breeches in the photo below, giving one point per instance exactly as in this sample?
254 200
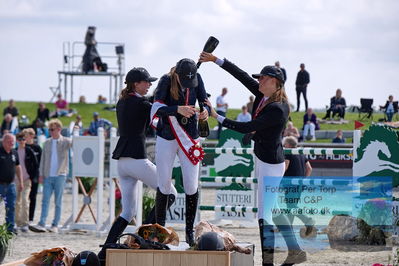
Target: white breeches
165 154
130 171
271 175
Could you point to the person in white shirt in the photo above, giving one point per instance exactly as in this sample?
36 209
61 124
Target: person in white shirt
54 167
221 107
244 116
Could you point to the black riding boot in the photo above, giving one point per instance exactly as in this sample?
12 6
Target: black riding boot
266 242
191 210
161 205
116 230
151 218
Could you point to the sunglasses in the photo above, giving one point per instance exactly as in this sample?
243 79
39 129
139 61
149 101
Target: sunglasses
52 129
20 139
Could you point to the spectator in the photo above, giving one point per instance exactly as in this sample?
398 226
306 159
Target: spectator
40 128
11 109
61 105
101 99
290 130
250 104
29 166
9 168
310 124
389 108
76 124
7 125
277 64
244 116
339 137
82 99
302 81
296 165
53 169
34 173
337 106
97 123
43 113
221 107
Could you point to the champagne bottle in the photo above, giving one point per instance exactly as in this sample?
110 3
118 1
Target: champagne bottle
209 46
203 127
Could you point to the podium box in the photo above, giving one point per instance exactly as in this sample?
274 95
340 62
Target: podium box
150 257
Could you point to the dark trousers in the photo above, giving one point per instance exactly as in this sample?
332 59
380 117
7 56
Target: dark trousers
335 110
32 200
299 90
220 125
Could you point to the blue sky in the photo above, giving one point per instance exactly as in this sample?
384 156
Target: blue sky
352 45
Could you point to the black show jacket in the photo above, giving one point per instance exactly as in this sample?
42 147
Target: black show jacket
162 94
268 124
133 114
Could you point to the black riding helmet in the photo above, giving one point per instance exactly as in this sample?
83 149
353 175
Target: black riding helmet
271 71
86 258
210 241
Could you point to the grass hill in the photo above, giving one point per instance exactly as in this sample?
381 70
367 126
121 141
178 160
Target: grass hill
86 111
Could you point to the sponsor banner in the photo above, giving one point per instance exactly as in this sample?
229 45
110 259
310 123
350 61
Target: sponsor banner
177 212
243 198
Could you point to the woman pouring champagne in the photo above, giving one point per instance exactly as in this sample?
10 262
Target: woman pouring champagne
269 116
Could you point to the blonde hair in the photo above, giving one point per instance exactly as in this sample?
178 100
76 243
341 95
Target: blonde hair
279 95
29 131
174 83
56 122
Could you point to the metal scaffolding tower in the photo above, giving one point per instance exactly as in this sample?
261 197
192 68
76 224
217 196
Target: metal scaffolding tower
72 66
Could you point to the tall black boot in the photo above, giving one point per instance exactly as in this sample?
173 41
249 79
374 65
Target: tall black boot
116 230
191 210
267 242
161 204
151 218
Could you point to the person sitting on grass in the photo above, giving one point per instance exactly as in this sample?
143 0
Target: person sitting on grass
291 130
244 116
337 106
339 137
99 122
310 125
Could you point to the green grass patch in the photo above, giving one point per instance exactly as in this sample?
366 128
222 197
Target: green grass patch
86 111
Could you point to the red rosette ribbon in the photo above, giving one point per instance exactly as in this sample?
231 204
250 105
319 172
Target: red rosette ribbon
196 154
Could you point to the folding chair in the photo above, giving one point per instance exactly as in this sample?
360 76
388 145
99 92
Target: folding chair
365 110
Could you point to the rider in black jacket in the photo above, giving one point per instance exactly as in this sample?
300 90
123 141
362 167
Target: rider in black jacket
269 116
133 114
177 130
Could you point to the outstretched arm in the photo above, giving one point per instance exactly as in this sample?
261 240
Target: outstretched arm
251 84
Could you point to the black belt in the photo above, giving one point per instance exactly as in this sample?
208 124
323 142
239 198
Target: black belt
5 183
